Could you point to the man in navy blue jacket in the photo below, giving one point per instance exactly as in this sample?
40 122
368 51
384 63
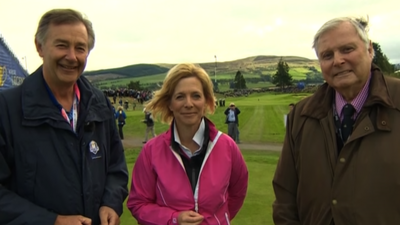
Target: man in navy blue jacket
61 159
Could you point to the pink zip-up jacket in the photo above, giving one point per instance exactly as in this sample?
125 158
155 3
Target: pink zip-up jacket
161 189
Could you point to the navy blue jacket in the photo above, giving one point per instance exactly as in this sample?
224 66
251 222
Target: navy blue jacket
117 113
46 169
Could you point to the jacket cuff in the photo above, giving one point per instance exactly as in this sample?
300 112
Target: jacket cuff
174 219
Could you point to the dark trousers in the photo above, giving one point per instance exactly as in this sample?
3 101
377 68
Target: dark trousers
120 131
233 131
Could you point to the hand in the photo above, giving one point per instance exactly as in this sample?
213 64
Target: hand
108 216
72 220
190 218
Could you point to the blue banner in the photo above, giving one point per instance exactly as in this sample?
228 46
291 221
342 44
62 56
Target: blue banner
11 72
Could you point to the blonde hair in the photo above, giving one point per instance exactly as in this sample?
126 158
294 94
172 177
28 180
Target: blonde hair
120 108
159 104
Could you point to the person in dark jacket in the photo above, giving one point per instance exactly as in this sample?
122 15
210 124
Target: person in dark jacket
339 162
232 120
291 106
121 117
61 160
148 120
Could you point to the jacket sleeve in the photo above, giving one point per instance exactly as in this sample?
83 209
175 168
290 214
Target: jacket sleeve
14 209
285 182
226 111
238 182
237 111
142 196
116 188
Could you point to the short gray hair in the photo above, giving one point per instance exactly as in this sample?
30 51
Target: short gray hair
360 24
63 16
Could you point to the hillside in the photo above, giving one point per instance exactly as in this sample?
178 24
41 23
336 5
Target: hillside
137 70
255 65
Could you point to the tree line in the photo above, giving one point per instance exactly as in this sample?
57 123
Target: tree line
282 77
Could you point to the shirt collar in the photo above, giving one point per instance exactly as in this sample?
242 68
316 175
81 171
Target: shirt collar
357 102
198 136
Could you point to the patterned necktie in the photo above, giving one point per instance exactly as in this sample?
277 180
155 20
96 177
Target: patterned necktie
347 123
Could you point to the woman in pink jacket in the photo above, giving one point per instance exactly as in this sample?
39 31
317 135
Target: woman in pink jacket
191 174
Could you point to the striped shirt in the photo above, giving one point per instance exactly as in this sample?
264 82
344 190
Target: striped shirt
357 103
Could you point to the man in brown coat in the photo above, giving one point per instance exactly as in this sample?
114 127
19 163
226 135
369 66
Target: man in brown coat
342 166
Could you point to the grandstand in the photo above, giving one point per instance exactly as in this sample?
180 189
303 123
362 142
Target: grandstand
11 71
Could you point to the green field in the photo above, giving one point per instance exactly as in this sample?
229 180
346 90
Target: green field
143 80
298 73
260 121
257 208
225 86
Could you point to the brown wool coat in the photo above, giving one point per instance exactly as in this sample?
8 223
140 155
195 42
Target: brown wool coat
361 186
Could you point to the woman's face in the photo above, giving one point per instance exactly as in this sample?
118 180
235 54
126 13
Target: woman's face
188 103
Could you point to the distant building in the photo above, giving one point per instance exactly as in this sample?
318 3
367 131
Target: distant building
11 72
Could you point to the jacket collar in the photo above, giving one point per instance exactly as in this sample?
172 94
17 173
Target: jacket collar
321 101
198 136
37 105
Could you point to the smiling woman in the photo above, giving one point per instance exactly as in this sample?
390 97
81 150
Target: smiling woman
190 151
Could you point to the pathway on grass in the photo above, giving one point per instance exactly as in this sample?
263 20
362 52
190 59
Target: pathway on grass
136 142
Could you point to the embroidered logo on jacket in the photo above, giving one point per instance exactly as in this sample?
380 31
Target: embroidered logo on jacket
93 147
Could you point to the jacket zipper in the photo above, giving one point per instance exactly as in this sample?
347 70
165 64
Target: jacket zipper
195 189
227 219
193 178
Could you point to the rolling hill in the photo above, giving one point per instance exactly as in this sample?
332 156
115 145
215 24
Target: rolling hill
251 67
137 70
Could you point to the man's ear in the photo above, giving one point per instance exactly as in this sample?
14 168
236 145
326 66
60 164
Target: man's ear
371 50
39 48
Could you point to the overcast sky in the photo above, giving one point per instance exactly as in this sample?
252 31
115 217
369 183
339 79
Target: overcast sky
173 31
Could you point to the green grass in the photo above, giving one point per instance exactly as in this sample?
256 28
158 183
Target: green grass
260 121
143 80
225 86
257 208
231 76
298 73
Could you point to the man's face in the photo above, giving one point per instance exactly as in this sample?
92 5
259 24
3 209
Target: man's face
232 107
290 107
344 59
64 53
